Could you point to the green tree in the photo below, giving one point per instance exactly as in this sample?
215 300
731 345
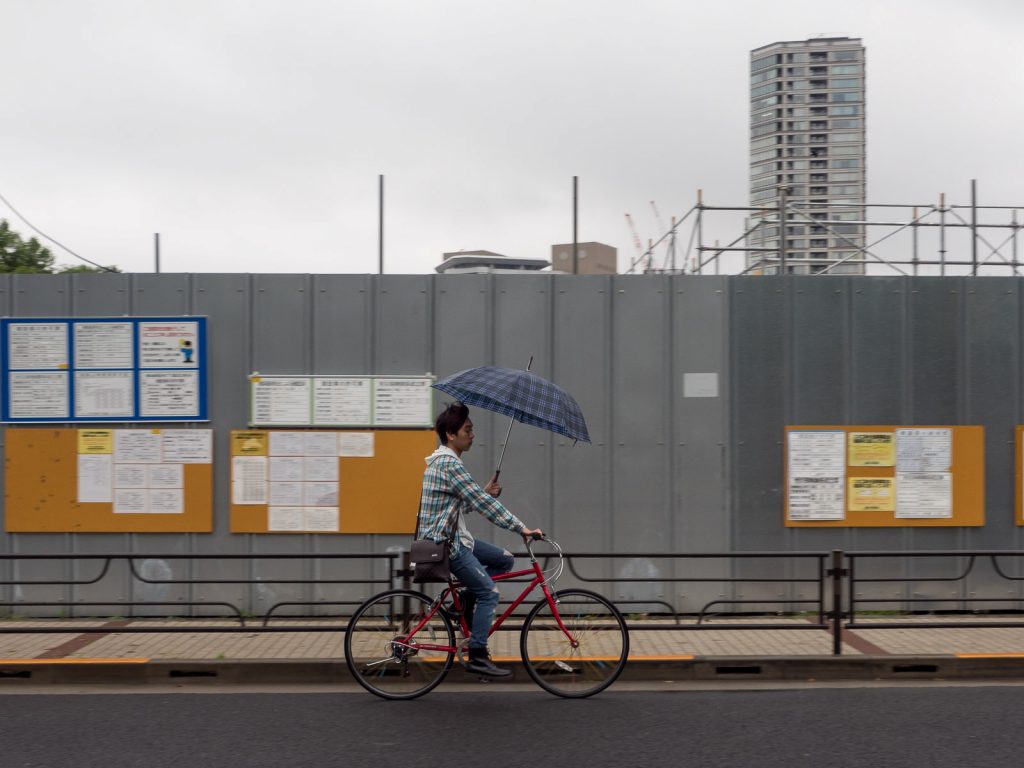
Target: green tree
23 256
31 257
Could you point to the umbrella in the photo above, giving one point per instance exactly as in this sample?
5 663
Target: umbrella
522 395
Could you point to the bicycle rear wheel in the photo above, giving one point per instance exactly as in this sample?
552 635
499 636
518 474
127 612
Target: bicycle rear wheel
384 665
588 663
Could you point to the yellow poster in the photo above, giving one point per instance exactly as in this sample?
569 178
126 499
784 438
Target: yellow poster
871 494
95 441
248 443
871 449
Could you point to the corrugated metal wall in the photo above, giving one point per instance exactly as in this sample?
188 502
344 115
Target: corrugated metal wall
664 472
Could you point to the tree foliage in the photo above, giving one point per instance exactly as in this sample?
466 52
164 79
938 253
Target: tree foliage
22 256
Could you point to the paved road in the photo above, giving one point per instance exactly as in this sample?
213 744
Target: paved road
932 726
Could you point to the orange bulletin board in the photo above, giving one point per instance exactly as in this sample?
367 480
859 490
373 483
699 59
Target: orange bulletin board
1019 473
41 478
870 468
376 494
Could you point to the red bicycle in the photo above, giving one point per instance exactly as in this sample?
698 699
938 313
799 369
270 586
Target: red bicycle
400 644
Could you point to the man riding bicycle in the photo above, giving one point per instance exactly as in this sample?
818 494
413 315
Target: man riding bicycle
449 490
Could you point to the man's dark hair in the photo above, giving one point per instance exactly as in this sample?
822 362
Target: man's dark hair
450 421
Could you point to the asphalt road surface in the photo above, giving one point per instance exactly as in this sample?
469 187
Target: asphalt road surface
936 725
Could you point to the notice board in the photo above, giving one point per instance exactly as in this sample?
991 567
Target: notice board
327 481
884 476
108 480
103 369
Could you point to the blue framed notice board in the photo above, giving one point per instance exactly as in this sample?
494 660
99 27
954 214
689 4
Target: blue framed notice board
103 369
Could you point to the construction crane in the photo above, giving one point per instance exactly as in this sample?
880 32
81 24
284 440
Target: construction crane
636 241
670 243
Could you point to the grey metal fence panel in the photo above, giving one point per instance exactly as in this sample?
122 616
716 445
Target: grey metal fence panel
664 472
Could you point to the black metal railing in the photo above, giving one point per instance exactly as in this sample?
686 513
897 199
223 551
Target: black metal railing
834 580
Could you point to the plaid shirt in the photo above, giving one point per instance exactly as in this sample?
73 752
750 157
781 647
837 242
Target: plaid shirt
449 491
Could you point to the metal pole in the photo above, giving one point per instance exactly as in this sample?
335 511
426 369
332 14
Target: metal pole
509 433
1013 237
942 234
974 227
836 572
380 225
575 223
156 251
672 245
700 231
783 267
913 238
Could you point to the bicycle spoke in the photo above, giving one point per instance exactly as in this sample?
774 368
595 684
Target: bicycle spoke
588 662
382 657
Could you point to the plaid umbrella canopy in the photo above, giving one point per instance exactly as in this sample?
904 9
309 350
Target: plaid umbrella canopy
524 396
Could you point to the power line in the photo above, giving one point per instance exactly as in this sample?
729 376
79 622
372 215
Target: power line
47 237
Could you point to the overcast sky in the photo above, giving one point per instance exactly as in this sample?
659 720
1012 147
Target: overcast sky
251 133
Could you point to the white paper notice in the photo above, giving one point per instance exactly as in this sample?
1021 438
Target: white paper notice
817 453
285 519
169 345
37 345
924 494
321 518
165 476
131 500
924 450
249 479
130 475
188 446
320 469
38 395
319 444
103 345
94 478
287 444
817 475
104 393
286 494
342 401
280 400
403 402
169 393
355 444
285 468
140 446
168 501
816 498
320 494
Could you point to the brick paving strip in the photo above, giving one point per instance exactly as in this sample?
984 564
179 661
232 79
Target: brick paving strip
77 643
858 643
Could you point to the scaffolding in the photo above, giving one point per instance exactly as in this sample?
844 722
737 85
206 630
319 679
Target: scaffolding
944 239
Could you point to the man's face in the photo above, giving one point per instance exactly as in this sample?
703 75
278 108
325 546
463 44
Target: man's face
463 439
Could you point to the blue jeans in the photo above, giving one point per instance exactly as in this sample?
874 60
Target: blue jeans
474 569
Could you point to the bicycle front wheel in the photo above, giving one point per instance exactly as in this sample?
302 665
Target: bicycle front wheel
381 655
585 661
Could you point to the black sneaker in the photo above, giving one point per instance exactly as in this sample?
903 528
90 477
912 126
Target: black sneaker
480 664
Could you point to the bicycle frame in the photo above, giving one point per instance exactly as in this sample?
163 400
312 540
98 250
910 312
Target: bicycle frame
452 589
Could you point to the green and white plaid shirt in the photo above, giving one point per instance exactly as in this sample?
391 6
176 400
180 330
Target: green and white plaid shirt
449 491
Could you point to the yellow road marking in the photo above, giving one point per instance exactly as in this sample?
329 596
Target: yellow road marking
989 655
23 662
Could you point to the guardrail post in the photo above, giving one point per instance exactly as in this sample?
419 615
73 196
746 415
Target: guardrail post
405 572
837 572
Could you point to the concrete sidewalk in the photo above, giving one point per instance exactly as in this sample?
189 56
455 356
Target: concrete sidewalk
659 650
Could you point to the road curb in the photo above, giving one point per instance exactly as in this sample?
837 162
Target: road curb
334 671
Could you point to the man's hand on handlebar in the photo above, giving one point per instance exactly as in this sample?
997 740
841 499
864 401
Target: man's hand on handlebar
536 534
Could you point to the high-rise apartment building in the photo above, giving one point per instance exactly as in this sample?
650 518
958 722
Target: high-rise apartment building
807 148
